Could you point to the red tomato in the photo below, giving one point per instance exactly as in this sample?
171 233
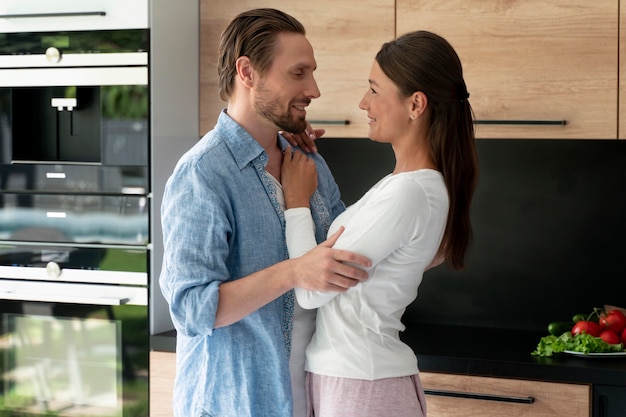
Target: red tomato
588 327
624 337
613 320
610 337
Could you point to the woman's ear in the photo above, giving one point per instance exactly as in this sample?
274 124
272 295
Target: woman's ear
419 101
245 72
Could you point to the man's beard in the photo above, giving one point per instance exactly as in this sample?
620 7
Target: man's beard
268 105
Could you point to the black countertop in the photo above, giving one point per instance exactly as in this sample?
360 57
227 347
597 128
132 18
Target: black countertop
487 352
505 353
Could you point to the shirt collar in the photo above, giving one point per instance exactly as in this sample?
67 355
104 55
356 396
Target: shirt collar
242 145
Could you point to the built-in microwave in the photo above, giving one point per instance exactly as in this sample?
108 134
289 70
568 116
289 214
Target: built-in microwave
74 97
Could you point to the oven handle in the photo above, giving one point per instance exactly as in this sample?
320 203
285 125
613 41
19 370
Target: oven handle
69 14
75 76
61 298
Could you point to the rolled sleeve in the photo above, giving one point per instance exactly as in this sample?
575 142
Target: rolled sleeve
195 252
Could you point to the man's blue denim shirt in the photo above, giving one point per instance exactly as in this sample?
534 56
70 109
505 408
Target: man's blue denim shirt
221 221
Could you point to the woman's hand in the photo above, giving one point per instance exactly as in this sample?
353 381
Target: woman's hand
298 178
304 140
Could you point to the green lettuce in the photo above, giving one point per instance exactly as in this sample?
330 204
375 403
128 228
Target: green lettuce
582 342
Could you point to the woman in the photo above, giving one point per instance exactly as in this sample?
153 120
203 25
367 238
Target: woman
413 218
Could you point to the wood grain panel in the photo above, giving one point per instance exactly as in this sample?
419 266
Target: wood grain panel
345 36
162 373
531 60
550 399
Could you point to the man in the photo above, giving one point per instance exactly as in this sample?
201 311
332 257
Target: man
225 271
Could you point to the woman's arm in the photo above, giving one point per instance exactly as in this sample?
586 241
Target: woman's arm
299 181
300 236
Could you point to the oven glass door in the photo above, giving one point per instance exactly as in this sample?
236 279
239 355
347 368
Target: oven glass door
74 218
70 359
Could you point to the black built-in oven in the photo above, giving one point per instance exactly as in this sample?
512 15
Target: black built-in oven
74 208
71 349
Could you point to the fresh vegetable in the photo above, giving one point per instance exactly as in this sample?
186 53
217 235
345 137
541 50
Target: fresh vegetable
589 327
588 333
613 320
609 336
582 342
557 328
594 316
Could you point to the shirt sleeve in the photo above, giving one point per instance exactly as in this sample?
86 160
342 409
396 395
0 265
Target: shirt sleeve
299 231
386 221
390 218
300 236
191 273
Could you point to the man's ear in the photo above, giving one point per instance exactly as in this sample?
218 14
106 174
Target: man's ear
245 72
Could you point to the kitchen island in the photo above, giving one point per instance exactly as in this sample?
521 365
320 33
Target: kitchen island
499 353
486 352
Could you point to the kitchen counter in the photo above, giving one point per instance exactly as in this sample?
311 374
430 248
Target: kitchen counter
505 353
487 352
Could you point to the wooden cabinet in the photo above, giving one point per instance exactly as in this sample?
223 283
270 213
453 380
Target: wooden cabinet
448 395
609 401
461 395
345 36
533 69
531 65
162 373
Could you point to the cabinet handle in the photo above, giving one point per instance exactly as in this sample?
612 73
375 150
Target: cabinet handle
69 14
486 397
522 122
602 406
329 122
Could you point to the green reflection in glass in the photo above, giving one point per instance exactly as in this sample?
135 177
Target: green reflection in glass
65 363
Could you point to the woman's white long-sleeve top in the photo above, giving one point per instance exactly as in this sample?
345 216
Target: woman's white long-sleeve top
398 224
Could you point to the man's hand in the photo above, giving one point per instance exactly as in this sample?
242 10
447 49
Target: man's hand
304 140
326 269
321 269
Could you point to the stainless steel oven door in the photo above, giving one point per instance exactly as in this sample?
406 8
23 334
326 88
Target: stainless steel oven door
93 264
73 350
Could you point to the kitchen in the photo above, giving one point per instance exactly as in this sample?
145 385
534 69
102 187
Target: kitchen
564 80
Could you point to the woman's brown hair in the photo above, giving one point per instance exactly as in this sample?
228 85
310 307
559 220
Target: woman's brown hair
426 62
253 34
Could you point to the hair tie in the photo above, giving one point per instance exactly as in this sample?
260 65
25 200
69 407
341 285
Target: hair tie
462 92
